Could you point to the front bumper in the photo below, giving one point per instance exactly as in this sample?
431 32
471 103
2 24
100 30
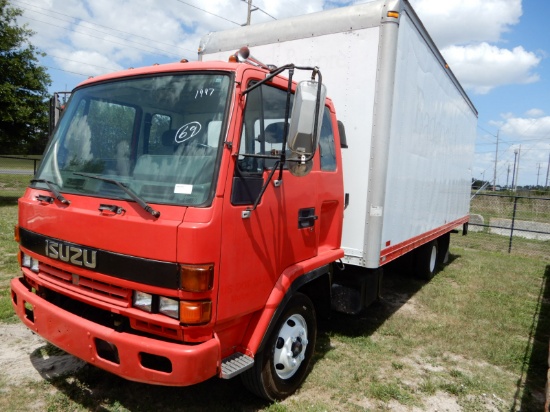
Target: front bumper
134 357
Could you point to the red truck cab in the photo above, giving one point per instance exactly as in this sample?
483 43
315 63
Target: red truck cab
166 238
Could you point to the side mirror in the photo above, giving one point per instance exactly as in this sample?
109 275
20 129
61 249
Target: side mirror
305 126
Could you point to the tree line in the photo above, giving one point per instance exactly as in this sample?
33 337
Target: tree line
24 107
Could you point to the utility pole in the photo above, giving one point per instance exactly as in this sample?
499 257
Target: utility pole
548 171
250 10
507 175
517 169
496 160
514 172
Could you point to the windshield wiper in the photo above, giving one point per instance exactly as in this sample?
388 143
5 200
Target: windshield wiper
51 185
126 190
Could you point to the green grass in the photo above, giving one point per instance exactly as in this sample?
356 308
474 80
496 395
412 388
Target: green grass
503 207
496 243
19 162
12 187
475 336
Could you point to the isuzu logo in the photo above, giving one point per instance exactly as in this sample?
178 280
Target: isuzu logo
71 254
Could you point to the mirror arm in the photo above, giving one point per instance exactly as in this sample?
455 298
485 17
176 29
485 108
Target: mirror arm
285 128
317 105
246 213
270 76
279 164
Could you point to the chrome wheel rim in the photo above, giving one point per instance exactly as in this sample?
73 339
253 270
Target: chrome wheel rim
290 346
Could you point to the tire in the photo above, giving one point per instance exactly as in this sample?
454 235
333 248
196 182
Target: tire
427 260
284 362
444 242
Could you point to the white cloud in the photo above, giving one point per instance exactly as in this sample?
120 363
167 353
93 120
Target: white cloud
470 33
88 62
452 22
93 37
482 67
528 128
534 113
522 138
137 32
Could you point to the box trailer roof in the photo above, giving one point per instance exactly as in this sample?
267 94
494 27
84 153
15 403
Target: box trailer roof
344 19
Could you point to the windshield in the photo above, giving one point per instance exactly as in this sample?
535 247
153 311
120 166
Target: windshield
158 136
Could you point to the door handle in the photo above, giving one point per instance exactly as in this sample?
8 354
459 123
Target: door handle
306 217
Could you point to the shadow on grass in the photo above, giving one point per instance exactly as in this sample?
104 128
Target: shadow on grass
9 200
398 286
535 361
97 390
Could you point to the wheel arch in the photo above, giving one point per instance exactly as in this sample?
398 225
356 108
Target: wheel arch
315 284
311 285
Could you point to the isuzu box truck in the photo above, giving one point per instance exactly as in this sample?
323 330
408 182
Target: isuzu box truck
195 219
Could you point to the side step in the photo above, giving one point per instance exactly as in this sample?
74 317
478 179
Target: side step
235 364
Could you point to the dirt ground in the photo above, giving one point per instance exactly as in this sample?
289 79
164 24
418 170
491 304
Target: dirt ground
23 356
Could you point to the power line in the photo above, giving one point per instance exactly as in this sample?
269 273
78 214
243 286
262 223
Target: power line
81 62
265 12
485 130
96 24
206 11
104 39
68 71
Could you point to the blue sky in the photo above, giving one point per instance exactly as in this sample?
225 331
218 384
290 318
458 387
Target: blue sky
498 49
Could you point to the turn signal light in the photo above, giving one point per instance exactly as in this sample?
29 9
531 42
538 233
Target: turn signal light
16 236
197 278
193 313
394 14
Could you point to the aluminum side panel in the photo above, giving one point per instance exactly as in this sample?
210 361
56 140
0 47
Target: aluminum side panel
431 144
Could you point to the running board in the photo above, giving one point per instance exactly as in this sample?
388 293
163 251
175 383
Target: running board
236 364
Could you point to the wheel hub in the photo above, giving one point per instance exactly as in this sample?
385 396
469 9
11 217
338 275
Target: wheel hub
290 347
297 347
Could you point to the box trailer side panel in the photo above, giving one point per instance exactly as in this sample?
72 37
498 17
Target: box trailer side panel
409 124
431 143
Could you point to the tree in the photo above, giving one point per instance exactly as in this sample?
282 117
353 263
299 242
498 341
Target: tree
23 88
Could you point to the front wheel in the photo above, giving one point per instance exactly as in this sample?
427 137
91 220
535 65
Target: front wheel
284 362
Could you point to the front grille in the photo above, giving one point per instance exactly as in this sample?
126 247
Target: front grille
87 286
66 289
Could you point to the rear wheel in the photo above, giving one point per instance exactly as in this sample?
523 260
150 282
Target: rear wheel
427 259
281 367
444 242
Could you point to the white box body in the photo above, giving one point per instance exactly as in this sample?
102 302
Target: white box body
410 126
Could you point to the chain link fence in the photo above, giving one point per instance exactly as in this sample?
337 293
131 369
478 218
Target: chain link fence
510 223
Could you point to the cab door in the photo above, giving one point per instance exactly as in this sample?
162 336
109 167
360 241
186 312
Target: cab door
282 230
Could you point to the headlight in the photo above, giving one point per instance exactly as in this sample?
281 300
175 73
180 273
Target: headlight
169 307
26 262
143 301
30 262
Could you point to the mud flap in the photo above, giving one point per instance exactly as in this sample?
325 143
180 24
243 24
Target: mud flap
354 289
